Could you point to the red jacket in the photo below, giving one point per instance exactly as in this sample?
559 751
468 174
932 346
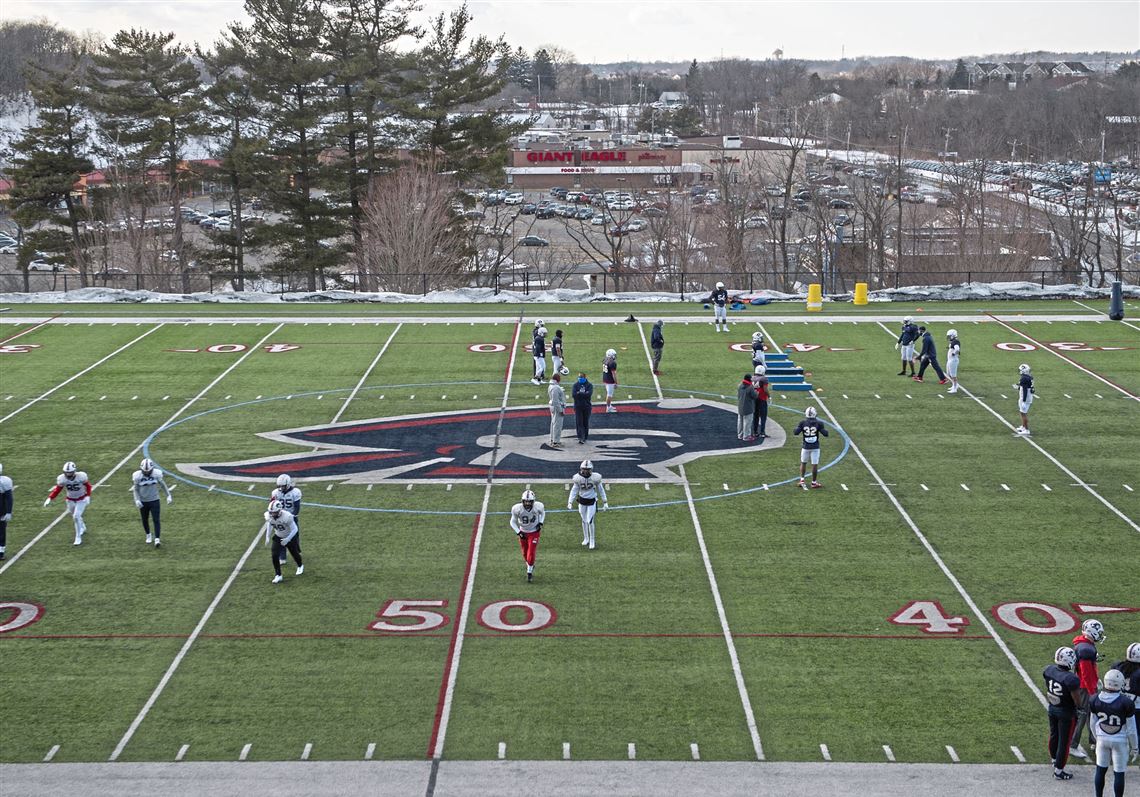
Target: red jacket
1086 663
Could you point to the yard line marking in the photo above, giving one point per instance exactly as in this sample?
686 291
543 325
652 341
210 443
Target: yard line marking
566 751
29 329
695 751
308 749
183 651
502 750
455 649
91 367
825 752
51 753
746 702
1098 312
135 450
632 751
1130 325
961 590
889 752
1077 480
1069 360
244 754
182 752
953 754
369 751
1017 754
101 398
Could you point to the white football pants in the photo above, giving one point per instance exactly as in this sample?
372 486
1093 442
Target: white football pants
587 512
76 510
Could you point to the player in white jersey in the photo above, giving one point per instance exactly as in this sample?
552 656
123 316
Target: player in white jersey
527 518
6 496
145 485
282 529
953 356
290 497
588 489
78 494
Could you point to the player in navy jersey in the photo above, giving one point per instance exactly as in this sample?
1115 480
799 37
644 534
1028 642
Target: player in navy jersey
928 357
1109 712
905 343
1064 695
282 529
811 428
1025 396
538 349
609 378
5 508
719 299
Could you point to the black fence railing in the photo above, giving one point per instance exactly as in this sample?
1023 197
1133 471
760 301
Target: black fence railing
686 284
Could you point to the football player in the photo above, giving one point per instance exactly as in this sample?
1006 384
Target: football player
74 482
538 349
290 497
282 528
811 428
905 343
588 489
657 344
928 357
556 355
1130 668
719 299
6 496
609 378
145 484
1084 643
527 518
757 349
556 399
1064 695
1111 710
953 353
1025 396
760 418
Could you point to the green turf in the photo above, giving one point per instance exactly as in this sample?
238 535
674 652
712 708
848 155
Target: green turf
809 580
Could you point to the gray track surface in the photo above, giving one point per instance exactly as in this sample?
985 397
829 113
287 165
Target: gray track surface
530 778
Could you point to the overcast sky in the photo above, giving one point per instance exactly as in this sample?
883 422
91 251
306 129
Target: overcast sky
675 30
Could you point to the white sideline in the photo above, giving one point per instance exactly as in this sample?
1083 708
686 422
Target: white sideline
135 450
465 609
356 389
746 702
1077 480
71 379
933 553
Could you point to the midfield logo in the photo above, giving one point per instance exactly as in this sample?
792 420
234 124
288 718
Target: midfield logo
639 443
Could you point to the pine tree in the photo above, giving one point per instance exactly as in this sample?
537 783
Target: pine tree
282 60
961 77
520 71
442 84
544 78
49 158
147 95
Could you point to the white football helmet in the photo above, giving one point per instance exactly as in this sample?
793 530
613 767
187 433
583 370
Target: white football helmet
1023 368
564 370
1114 681
147 465
1133 653
586 468
541 332
906 319
528 498
1094 630
611 353
719 286
809 412
285 481
275 508
759 370
539 323
69 467
951 333
1066 657
757 337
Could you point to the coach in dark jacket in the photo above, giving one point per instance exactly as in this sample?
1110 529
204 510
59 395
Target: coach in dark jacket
929 356
657 343
582 393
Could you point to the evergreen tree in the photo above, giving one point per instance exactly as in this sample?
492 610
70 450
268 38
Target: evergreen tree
544 77
147 94
442 84
282 59
694 88
520 71
685 121
961 78
50 156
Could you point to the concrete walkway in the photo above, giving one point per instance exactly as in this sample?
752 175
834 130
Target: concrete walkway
530 778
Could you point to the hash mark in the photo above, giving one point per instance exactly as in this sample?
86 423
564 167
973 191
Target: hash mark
51 753
182 752
134 398
844 395
250 488
1004 396
1098 395
502 750
328 489
164 398
632 751
1066 395
1129 489
908 395
964 487
449 488
369 487
1048 489
1017 754
1005 487
889 752
409 487
844 486
696 751
878 396
925 489
566 751
308 749
826 753
244 754
953 754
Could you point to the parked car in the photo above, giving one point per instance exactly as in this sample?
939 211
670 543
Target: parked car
598 219
473 215
780 212
533 240
545 212
652 212
840 204
529 209
842 220
513 198
44 265
584 213
8 249
755 223
111 272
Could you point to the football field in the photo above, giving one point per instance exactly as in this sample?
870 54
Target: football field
902 613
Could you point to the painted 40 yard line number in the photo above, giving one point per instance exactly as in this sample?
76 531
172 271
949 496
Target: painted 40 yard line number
1016 615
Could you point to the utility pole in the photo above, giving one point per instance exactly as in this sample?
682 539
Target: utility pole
1102 145
849 142
827 137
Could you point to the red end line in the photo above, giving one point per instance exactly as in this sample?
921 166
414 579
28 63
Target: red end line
1069 360
500 635
29 329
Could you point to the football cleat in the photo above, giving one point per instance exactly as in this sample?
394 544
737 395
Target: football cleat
157 542
529 577
78 540
149 539
1094 630
803 484
943 381
917 378
1066 657
277 579
1060 774
816 485
300 569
